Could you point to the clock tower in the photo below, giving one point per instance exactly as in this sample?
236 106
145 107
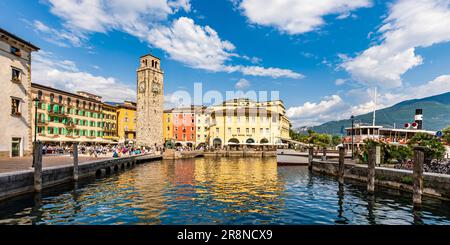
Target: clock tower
150 99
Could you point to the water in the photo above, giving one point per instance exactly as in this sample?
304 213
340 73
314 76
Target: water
218 191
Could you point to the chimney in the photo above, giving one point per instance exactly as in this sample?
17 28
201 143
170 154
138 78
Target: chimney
418 118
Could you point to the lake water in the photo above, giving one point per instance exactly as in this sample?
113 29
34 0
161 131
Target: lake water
218 191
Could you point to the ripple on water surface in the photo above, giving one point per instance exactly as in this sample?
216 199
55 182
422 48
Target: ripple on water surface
218 191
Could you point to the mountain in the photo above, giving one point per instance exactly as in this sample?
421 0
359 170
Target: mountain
436 115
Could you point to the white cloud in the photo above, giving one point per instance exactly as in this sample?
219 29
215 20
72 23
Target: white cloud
297 16
64 75
195 46
308 114
340 81
201 47
58 37
132 16
242 84
409 25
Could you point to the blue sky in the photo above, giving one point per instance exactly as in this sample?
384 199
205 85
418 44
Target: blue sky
324 57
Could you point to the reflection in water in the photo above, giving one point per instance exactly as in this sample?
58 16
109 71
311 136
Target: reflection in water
341 217
218 191
370 209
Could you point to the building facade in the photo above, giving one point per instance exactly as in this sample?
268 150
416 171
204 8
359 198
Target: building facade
65 118
236 122
168 126
15 109
126 122
150 99
184 126
110 122
241 122
202 121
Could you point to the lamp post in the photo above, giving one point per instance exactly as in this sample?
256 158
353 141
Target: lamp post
353 119
36 103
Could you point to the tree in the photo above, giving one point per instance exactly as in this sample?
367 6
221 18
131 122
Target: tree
446 136
336 140
434 149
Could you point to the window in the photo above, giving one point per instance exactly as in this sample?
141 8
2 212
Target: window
40 95
15 51
60 99
15 107
16 75
68 101
247 130
52 98
229 130
238 130
253 130
217 130
261 131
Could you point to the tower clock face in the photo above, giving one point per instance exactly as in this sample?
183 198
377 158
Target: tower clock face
155 88
142 87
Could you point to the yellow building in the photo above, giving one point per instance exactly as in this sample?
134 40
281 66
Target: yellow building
126 122
64 117
240 122
110 122
168 125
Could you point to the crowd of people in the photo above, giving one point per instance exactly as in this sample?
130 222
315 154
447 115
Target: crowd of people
96 151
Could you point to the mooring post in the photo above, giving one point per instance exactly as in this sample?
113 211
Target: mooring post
75 161
341 168
310 158
419 157
371 170
37 166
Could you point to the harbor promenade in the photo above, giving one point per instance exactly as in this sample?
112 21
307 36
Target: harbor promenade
25 163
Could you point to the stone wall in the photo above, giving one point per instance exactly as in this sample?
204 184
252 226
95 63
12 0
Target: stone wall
20 182
436 185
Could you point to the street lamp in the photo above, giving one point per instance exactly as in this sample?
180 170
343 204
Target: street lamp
36 103
353 119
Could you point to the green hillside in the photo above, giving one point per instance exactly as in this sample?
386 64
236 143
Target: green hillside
436 113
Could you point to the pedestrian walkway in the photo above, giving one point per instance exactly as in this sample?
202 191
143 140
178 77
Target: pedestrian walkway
24 163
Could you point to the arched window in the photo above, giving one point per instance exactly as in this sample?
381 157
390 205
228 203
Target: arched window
60 98
39 94
52 98
156 64
153 63
84 104
78 103
69 101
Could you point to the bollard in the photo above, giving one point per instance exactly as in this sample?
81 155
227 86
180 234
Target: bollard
75 161
419 157
371 170
341 169
37 159
310 157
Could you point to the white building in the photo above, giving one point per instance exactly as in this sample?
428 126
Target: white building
15 109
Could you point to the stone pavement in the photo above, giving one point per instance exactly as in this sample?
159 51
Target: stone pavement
24 163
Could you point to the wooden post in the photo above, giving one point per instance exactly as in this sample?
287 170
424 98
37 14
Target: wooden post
341 169
37 166
75 161
324 155
310 157
371 170
419 157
